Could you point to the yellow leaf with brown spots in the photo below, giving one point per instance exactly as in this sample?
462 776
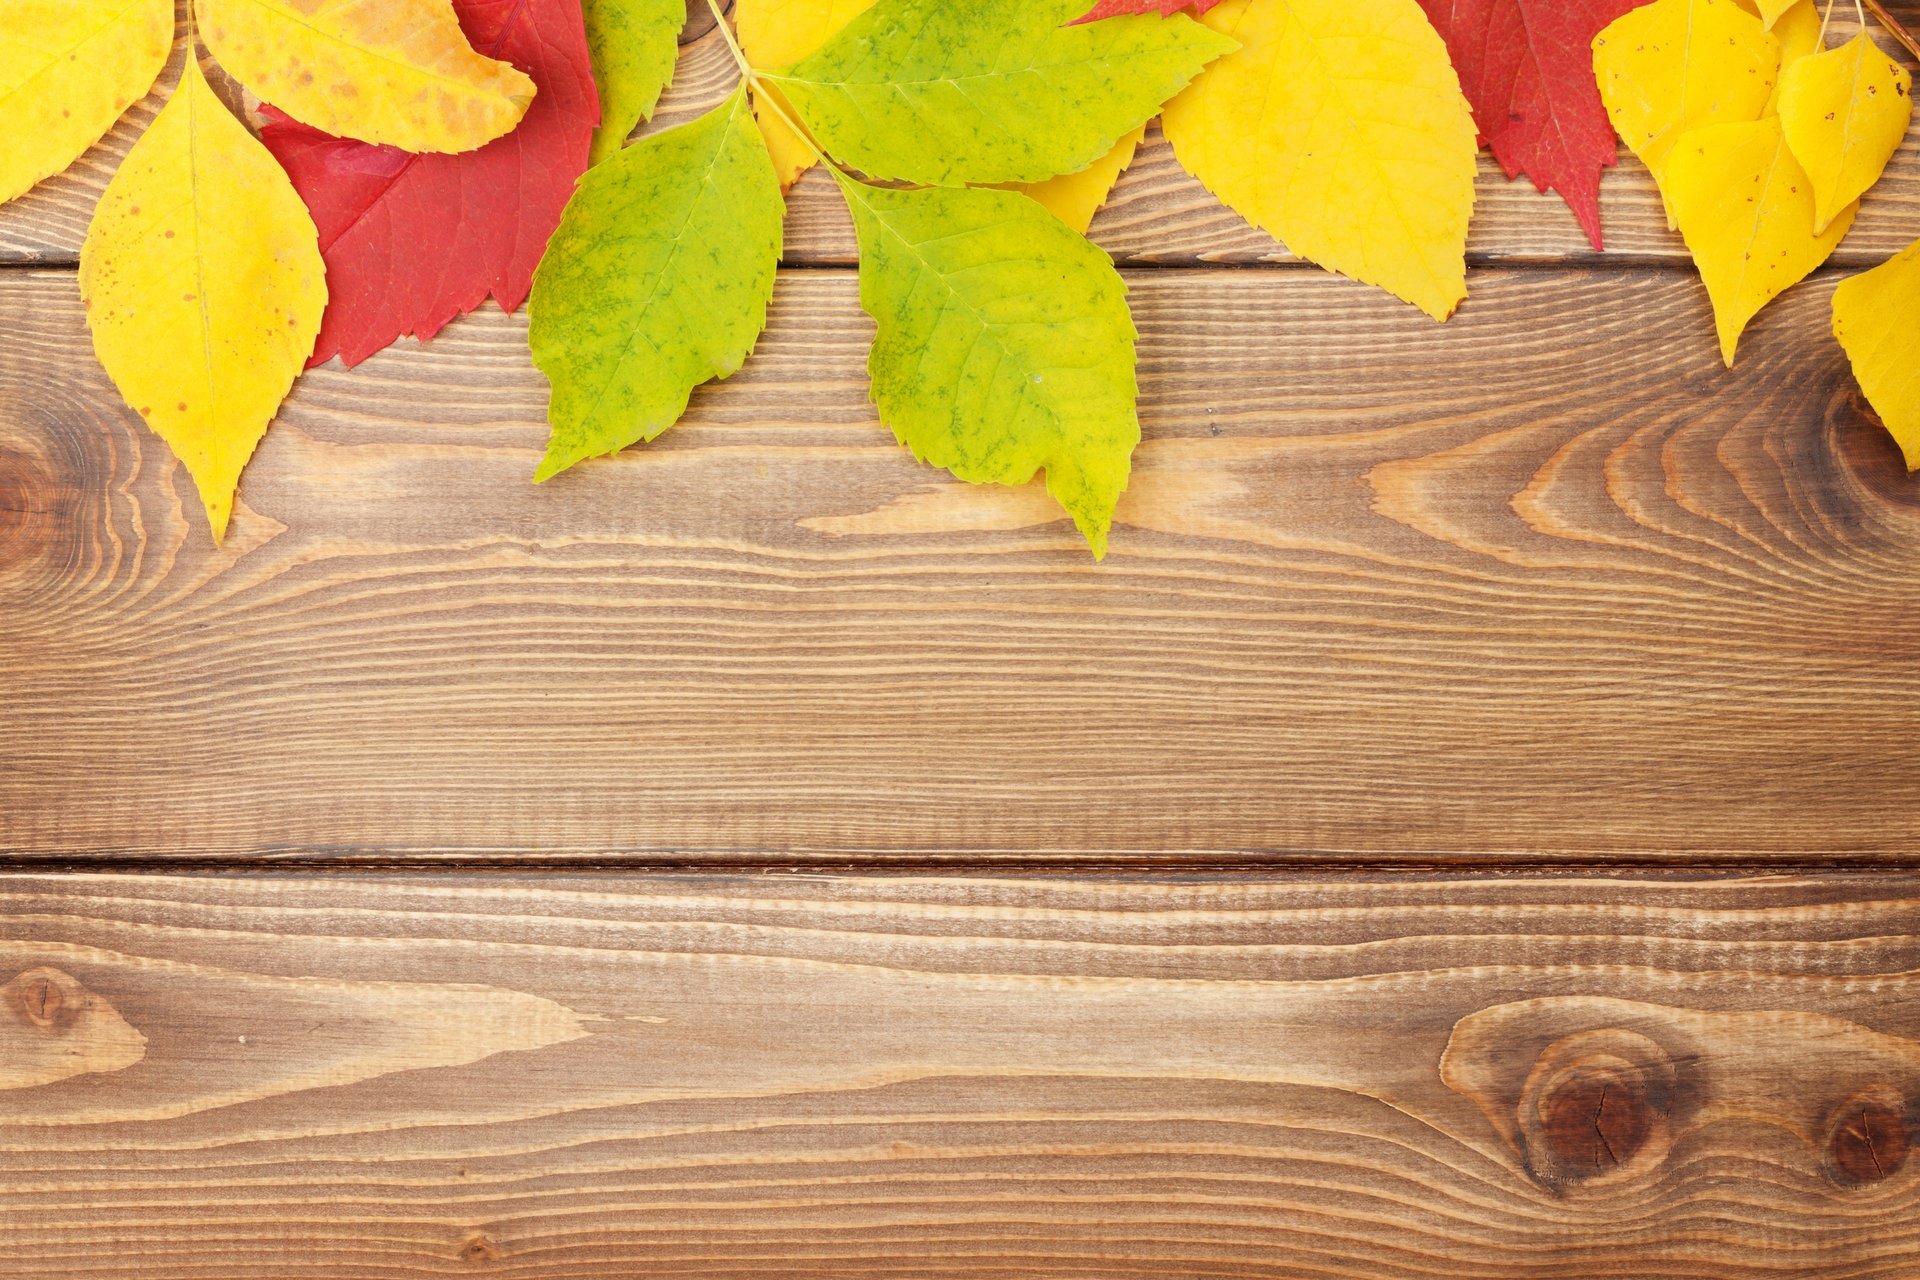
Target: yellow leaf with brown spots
68 69
1876 316
398 72
203 284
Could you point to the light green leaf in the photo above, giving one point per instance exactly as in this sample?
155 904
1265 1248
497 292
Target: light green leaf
657 280
1004 343
635 44
955 91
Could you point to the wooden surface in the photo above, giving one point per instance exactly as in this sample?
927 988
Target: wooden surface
1545 583
579 1079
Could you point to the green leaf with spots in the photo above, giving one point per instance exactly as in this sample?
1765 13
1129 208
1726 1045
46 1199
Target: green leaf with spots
635 44
954 91
657 280
1004 345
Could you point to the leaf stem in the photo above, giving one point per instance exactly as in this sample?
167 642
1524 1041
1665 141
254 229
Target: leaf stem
733 45
762 97
1895 28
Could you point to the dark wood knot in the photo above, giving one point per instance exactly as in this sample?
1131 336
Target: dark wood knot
480 1248
1868 1137
43 995
1597 1104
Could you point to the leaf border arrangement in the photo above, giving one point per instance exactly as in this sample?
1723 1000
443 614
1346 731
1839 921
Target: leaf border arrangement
972 142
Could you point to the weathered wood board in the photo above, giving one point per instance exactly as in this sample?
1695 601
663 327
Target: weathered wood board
370 1078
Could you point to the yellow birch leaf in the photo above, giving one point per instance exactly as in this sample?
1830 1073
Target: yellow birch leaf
1677 65
779 33
1876 316
1745 206
1845 113
1075 197
1800 31
1339 127
203 284
1771 11
398 72
68 69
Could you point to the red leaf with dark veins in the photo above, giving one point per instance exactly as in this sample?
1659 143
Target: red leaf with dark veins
411 241
1526 66
1165 8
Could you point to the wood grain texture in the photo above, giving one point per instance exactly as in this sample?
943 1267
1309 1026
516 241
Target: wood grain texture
1396 1079
1158 214
1545 582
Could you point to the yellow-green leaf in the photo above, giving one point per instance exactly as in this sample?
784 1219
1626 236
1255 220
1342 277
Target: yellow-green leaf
1075 197
1845 112
203 285
635 45
68 68
391 71
1746 209
1676 65
1876 316
779 33
1340 128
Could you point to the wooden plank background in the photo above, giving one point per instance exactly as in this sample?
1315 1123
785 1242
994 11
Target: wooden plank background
1543 583
1401 1078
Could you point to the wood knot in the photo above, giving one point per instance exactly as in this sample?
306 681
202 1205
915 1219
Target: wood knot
1596 1105
1868 1137
480 1248
42 995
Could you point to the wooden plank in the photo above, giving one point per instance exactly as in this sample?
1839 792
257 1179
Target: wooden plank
570 1079
1544 583
1158 213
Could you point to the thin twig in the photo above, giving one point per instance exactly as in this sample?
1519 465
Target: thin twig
1895 28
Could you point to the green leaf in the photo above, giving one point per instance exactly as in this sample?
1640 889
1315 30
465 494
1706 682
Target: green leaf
954 91
657 280
635 44
1004 343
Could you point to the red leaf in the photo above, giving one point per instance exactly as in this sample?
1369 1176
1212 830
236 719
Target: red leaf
411 241
1527 68
1165 8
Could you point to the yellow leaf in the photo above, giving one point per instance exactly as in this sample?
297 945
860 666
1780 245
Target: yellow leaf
1746 209
1800 31
1769 11
1845 112
1677 65
1075 197
1340 128
779 33
1876 316
68 68
203 284
393 71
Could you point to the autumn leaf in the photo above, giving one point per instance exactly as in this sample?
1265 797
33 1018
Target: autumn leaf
1845 113
1004 344
635 44
954 91
1676 65
1526 67
1876 316
68 69
1745 207
1362 161
657 280
779 33
397 72
1801 32
413 240
203 287
1165 8
1075 197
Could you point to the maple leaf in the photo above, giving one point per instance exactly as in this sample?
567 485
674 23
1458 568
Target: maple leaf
657 280
1004 344
67 72
1845 113
1745 207
1526 67
955 91
635 44
1362 163
1876 317
398 72
413 240
203 286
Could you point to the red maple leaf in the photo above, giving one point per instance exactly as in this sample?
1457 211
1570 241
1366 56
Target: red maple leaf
411 241
1112 8
1527 69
